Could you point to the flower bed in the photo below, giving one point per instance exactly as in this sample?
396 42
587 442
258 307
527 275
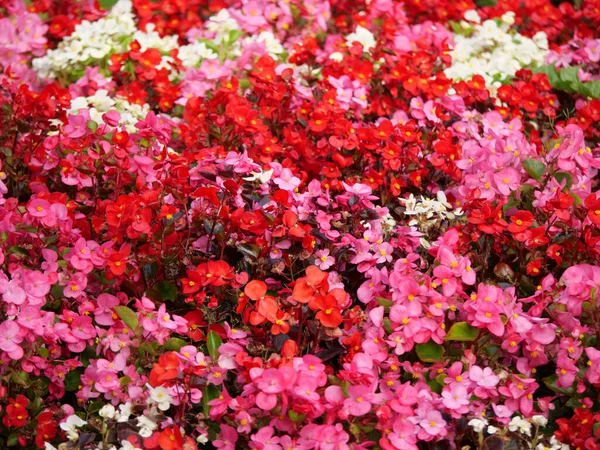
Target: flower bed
299 224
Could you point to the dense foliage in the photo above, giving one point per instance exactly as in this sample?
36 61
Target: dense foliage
299 224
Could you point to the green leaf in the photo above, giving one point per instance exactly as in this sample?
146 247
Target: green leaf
440 379
168 291
92 126
210 393
384 302
577 199
387 326
213 341
95 406
435 386
345 386
174 344
295 417
72 381
12 440
551 383
107 4
18 250
430 352
128 316
334 380
43 352
560 176
462 331
534 168
570 76
592 89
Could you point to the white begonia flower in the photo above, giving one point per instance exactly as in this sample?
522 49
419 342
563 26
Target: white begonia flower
70 426
124 412
520 424
337 56
107 411
428 211
478 425
101 102
151 39
161 397
539 420
556 444
272 44
262 177
191 55
221 24
508 17
472 16
362 36
146 426
48 446
494 51
94 40
126 445
492 429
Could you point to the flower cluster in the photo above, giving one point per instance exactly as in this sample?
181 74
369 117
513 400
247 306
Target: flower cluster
492 50
299 225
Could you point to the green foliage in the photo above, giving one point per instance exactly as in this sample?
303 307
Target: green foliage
107 4
567 79
462 331
430 352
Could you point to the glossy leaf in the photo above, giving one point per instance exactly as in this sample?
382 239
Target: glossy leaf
462 331
430 352
213 341
128 316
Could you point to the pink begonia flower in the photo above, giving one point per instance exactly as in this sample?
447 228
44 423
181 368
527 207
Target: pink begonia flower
75 286
263 439
383 252
30 317
360 399
118 363
164 319
50 263
593 373
12 292
38 208
358 189
35 283
227 438
455 397
76 127
403 435
307 389
483 377
286 180
323 260
445 278
82 328
507 180
107 381
488 315
270 383
216 375
10 338
592 49
433 424
104 314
